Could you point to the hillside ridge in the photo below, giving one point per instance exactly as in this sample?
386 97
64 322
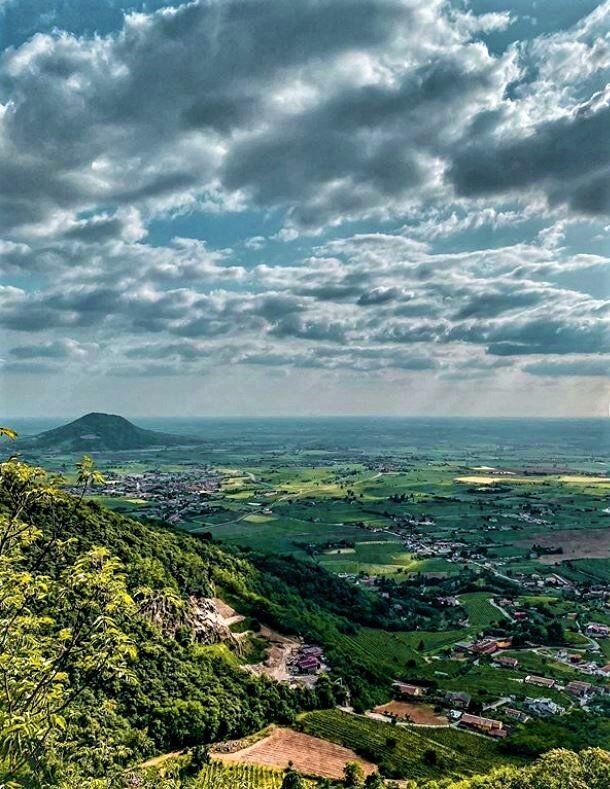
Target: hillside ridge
101 432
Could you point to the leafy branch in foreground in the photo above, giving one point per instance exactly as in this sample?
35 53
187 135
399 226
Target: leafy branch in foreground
59 635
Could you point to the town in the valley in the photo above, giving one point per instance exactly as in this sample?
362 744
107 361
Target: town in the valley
497 575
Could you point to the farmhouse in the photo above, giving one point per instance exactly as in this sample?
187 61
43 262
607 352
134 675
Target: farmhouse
506 661
408 690
579 689
517 715
458 698
450 600
308 664
484 647
487 725
312 651
543 682
605 670
543 707
598 631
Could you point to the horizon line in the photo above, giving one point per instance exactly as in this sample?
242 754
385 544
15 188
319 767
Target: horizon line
309 416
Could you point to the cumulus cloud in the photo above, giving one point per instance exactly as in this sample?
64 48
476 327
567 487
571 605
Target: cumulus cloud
380 301
329 109
303 118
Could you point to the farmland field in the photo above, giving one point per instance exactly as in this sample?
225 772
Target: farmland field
416 713
480 611
308 754
400 750
253 776
415 536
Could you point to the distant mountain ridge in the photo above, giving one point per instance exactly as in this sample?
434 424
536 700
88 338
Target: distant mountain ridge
98 432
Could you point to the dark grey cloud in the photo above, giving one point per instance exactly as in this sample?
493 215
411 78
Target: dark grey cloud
362 146
550 336
310 328
95 120
387 116
567 158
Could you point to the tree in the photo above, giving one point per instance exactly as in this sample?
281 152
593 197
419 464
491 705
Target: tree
352 775
374 781
555 633
59 634
292 779
429 757
200 756
88 476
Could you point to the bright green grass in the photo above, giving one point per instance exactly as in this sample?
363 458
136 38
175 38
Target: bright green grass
481 613
382 558
491 682
393 650
595 570
534 663
282 535
257 518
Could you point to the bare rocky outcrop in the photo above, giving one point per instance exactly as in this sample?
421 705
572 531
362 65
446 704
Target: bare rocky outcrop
206 617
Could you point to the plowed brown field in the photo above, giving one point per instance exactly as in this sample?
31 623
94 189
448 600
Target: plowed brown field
309 755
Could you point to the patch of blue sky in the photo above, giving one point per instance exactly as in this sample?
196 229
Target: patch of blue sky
21 19
530 18
218 230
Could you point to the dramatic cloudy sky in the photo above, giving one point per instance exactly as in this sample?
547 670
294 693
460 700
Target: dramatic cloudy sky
312 207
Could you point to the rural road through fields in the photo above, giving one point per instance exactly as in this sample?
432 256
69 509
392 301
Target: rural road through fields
226 523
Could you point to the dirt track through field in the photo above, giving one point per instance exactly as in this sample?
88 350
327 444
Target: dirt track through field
309 755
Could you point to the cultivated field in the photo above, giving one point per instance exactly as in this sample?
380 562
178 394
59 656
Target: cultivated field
309 755
422 714
575 544
406 751
253 776
481 612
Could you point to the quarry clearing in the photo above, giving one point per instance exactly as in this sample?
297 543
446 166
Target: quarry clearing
309 755
281 650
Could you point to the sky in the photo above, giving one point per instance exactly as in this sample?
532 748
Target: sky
264 207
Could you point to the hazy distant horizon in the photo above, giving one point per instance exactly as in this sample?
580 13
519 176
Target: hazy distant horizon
461 439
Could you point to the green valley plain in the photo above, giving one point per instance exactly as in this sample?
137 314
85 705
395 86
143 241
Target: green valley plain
431 612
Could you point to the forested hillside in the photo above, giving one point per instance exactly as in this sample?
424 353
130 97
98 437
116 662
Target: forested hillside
104 610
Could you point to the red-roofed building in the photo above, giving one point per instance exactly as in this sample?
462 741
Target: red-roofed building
408 690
